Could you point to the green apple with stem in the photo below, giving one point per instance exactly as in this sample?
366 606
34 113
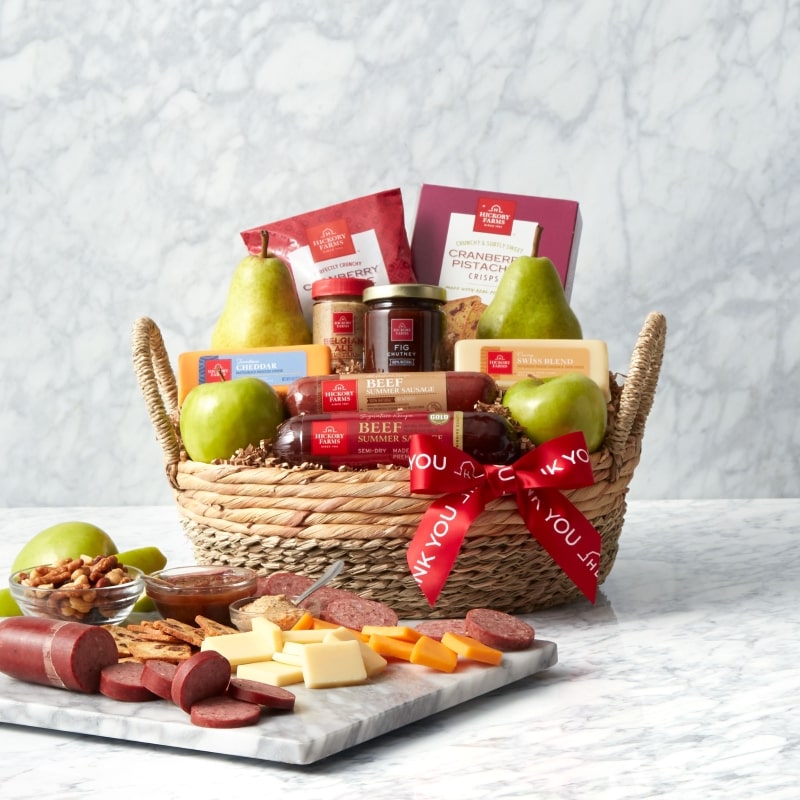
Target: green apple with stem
546 409
220 417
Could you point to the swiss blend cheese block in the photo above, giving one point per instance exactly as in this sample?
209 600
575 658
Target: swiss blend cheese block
510 360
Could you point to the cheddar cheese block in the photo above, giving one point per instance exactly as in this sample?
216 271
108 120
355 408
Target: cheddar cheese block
277 366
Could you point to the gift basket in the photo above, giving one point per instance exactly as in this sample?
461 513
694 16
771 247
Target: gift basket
300 519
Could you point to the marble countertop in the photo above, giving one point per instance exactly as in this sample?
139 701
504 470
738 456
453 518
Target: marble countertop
682 681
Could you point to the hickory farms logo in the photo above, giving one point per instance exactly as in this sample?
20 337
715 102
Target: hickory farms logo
217 369
343 322
402 330
328 438
339 395
499 362
330 240
494 216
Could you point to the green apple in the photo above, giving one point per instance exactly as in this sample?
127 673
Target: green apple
557 406
219 418
8 605
147 559
64 540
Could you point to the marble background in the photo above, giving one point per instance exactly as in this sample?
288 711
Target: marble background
138 139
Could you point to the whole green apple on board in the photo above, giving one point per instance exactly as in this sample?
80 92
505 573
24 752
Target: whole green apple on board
546 409
219 418
72 539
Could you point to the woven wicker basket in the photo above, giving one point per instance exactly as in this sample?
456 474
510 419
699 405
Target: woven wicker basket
278 519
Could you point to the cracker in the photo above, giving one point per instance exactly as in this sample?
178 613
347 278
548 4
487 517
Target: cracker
211 627
462 316
150 632
181 630
145 651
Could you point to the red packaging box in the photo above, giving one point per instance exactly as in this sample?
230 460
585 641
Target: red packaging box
464 239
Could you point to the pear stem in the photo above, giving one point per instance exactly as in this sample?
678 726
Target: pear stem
219 373
536 238
264 243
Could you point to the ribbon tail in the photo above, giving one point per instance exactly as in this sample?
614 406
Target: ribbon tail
437 541
569 538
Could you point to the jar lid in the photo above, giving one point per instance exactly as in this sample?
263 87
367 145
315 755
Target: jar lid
327 287
411 291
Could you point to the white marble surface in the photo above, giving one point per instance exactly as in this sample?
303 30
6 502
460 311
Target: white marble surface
681 682
139 139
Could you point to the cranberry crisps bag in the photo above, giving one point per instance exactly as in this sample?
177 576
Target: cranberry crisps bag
361 238
464 239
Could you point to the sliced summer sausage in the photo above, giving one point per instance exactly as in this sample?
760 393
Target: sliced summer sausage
436 628
356 612
223 711
158 675
498 629
67 655
205 674
123 681
262 694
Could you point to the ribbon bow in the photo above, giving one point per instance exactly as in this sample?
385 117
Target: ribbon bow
536 479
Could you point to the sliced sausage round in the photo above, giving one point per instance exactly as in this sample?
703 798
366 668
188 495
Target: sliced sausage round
356 612
123 681
436 628
262 694
158 675
222 711
205 674
498 629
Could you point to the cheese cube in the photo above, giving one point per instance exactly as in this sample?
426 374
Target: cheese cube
272 672
269 629
306 636
288 658
374 663
328 664
241 648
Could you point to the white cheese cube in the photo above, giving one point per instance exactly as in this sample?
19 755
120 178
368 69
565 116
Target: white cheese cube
374 663
272 672
241 648
328 664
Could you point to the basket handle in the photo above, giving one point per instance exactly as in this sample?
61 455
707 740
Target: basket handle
639 388
160 391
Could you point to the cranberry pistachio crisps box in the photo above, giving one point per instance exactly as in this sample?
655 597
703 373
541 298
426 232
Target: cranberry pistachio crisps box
361 238
464 239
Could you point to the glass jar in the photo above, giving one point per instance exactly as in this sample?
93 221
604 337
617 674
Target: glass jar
338 320
404 328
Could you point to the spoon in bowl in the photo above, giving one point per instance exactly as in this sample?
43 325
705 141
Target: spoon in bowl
329 574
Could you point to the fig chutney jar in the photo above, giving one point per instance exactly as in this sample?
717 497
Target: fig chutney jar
404 328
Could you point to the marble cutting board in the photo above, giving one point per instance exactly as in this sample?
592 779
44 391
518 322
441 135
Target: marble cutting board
325 721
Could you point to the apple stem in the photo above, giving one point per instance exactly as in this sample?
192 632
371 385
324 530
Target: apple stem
536 237
264 243
220 373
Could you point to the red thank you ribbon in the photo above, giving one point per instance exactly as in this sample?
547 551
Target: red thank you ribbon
536 479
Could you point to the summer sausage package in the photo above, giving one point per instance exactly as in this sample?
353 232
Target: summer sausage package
361 238
464 239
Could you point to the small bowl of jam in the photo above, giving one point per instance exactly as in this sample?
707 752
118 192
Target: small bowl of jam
183 593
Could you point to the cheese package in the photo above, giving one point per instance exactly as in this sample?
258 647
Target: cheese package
277 366
511 360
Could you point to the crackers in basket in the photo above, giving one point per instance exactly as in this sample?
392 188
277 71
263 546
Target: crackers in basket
461 315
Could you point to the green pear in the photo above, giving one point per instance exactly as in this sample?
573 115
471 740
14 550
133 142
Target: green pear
262 308
529 303
554 407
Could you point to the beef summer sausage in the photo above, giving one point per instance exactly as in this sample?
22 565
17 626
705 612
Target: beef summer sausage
205 674
124 681
158 675
436 628
367 440
356 612
262 694
383 391
67 655
499 630
223 711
